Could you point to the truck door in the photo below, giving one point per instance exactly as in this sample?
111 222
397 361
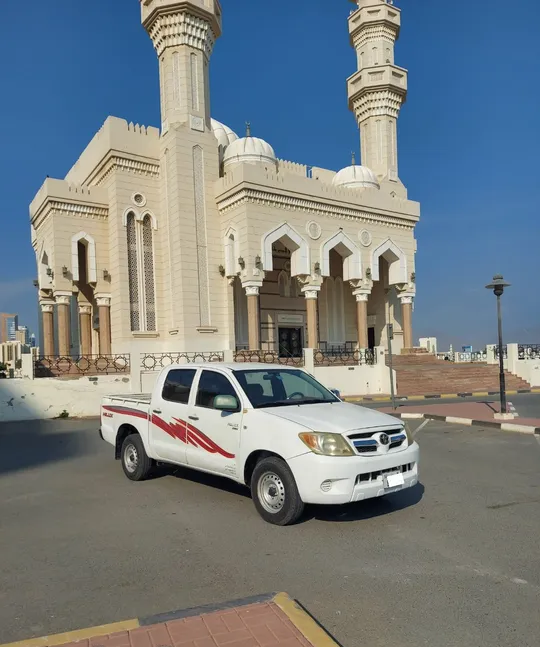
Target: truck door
169 412
214 434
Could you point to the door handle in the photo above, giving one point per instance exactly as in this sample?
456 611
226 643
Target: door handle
193 417
156 410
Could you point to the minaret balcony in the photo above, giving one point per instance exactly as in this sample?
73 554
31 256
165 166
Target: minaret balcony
207 10
384 15
373 79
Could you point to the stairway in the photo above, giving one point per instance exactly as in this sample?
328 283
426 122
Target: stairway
424 374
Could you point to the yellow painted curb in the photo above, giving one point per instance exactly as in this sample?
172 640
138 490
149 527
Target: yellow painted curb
305 624
481 394
511 393
535 390
449 395
72 636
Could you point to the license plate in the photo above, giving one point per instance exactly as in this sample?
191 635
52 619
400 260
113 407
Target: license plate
394 480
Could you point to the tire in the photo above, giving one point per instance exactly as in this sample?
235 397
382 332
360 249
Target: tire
135 462
274 492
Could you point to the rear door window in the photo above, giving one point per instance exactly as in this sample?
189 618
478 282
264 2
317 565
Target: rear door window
177 385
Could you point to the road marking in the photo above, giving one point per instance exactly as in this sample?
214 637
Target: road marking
421 427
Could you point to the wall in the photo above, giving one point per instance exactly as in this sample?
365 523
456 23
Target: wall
23 399
526 369
353 380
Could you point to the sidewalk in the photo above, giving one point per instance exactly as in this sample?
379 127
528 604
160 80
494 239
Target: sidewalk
265 621
467 413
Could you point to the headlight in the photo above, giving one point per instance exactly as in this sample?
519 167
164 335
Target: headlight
410 437
326 444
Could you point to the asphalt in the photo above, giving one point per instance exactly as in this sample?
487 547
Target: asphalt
452 563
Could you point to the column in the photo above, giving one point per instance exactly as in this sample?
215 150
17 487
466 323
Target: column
406 315
85 325
254 327
63 302
47 313
361 318
311 296
104 309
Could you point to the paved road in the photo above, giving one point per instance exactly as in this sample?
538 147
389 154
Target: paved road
453 563
527 404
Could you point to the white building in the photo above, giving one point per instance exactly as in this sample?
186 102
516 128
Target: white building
190 237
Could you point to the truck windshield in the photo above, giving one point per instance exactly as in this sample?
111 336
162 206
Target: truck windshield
275 387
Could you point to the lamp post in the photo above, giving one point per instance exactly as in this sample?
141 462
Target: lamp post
498 286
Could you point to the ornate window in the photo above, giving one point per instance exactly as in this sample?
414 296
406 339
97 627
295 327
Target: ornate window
142 291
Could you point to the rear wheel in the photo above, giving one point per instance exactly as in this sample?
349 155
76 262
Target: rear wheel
274 492
135 461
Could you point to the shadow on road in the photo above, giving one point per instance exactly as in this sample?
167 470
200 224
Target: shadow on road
367 509
209 480
26 445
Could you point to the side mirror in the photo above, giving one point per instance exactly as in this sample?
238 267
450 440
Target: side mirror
336 393
225 403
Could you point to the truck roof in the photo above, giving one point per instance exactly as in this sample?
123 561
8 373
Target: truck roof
234 366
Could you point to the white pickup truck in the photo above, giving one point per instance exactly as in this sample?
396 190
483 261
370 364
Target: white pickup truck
273 428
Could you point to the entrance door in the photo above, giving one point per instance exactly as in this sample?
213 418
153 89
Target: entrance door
290 342
371 338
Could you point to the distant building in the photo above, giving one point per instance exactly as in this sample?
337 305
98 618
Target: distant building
23 335
9 324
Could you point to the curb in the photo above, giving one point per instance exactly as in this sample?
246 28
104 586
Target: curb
443 396
295 612
469 422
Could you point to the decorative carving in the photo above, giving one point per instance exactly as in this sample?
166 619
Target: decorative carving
181 28
365 238
289 203
126 165
62 298
197 123
103 301
252 290
138 199
314 230
85 309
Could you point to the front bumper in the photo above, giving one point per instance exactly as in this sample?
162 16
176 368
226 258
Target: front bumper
311 471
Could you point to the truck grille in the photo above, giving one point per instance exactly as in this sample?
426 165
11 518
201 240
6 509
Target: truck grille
368 477
369 442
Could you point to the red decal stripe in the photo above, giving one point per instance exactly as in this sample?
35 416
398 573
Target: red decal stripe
189 435
126 411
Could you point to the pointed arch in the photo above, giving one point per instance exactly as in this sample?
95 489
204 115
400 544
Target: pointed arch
349 252
297 245
232 252
283 284
397 262
45 281
91 269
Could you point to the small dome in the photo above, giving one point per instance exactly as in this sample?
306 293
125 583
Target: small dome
356 177
223 133
250 150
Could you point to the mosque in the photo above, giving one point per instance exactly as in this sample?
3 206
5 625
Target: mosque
189 237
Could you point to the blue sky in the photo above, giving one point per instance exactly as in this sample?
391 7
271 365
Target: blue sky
469 135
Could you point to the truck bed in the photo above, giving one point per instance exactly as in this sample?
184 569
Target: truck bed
133 398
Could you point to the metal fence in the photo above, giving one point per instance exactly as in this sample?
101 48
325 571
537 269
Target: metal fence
336 357
157 361
266 357
528 351
505 352
56 366
10 373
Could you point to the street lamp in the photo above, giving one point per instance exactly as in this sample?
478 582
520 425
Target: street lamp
498 286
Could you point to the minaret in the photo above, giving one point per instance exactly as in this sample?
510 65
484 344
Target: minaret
378 89
183 33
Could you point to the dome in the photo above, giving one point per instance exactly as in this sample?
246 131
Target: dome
356 177
223 133
250 150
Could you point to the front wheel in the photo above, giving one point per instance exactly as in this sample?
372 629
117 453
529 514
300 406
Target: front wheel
274 492
135 461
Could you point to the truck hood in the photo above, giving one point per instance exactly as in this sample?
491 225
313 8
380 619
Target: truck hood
339 417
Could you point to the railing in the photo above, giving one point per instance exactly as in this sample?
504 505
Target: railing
345 347
505 352
266 357
475 356
448 356
56 366
344 357
528 351
157 361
